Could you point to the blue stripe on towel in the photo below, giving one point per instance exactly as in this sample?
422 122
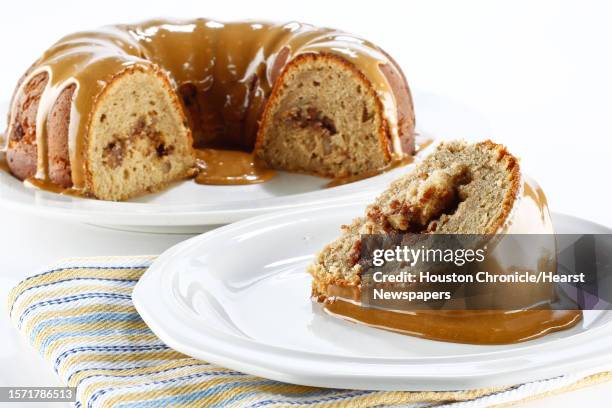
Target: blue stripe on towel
69 299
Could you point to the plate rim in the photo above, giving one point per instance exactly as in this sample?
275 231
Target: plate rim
338 378
137 213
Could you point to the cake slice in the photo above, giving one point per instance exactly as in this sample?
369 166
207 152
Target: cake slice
461 188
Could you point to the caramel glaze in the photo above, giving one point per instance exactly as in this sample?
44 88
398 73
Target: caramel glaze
229 167
529 216
3 163
54 188
228 69
460 326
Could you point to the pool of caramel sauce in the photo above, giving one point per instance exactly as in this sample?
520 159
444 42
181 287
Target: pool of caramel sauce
235 167
229 167
462 326
485 327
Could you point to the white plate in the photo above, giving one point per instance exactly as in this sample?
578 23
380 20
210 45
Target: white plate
188 207
238 297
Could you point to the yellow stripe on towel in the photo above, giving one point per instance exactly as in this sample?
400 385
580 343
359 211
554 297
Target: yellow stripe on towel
141 371
74 273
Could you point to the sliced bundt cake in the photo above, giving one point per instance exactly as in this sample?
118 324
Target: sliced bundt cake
461 188
114 112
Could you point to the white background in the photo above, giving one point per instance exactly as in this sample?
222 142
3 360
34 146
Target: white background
534 75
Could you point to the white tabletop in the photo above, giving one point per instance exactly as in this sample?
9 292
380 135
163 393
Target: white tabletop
533 75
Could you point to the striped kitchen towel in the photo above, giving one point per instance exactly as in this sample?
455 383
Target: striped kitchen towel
79 316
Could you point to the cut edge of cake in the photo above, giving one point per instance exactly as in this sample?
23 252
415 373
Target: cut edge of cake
146 146
302 131
427 200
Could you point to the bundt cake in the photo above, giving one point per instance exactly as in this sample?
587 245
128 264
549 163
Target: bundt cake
460 188
115 112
